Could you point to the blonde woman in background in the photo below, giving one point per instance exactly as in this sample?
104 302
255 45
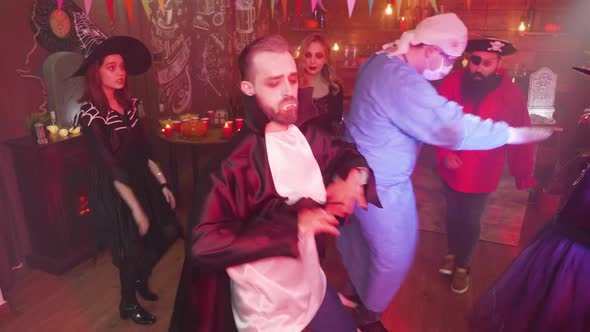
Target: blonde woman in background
316 71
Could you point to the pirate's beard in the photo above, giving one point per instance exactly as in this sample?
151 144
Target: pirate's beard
475 87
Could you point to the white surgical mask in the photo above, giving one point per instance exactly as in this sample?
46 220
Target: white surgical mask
437 74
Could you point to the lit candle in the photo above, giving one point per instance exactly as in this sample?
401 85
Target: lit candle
168 130
335 48
522 26
403 25
228 129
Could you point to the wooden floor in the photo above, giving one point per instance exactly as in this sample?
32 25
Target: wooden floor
85 299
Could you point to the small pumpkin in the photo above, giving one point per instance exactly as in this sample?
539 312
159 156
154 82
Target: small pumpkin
52 129
63 132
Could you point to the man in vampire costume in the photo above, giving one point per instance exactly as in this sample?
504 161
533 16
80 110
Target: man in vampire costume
252 262
484 89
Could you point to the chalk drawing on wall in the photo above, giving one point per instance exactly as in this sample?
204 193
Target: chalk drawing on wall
172 46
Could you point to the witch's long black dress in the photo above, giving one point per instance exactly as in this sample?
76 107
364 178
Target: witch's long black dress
121 152
547 287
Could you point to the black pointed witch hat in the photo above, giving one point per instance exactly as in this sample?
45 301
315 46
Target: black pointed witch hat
96 45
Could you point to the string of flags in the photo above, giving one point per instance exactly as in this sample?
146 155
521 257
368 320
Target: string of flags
284 4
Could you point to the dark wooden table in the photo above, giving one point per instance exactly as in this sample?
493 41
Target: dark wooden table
198 147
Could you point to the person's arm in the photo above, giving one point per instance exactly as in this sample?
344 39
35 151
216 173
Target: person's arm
418 110
341 161
239 218
521 157
141 219
161 178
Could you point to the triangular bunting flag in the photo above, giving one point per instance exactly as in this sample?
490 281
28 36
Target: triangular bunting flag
284 5
298 8
398 6
434 6
60 3
314 3
111 9
371 7
272 8
146 7
468 4
161 6
350 7
87 6
129 7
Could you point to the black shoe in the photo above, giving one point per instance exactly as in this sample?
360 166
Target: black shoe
144 291
137 313
373 327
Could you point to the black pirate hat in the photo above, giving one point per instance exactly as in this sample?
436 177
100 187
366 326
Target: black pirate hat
95 45
491 44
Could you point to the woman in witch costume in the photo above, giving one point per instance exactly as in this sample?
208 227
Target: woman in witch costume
547 287
129 196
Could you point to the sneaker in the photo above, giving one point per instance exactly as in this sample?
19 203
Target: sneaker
460 282
448 265
372 327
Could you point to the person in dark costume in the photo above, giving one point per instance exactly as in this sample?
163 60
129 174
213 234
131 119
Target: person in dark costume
547 287
130 199
317 73
251 262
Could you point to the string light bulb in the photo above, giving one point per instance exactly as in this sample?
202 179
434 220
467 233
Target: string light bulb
388 9
522 26
335 47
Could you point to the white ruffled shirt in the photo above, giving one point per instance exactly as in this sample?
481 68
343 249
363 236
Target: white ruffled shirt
283 294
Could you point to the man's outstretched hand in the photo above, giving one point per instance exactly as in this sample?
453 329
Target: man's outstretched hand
524 135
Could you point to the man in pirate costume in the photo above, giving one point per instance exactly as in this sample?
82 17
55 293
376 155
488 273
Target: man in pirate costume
252 262
546 288
484 89
130 199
